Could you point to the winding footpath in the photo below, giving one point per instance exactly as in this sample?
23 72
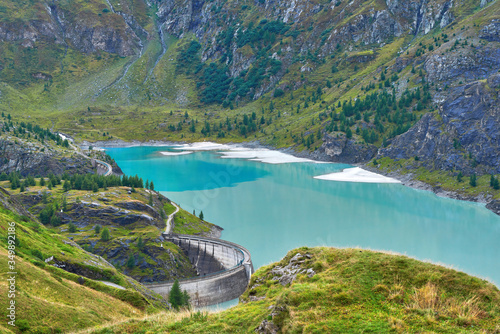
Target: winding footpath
170 217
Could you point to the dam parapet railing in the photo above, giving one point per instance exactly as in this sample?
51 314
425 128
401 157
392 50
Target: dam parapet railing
214 286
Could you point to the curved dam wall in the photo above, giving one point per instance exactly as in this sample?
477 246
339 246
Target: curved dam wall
224 270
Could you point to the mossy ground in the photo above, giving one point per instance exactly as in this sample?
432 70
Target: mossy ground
352 291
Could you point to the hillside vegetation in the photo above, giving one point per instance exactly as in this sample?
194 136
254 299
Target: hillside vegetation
50 299
342 79
325 290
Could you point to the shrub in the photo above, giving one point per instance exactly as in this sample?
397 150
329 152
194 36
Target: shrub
72 228
278 92
105 236
37 253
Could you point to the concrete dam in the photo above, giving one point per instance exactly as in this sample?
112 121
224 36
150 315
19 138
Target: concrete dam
224 270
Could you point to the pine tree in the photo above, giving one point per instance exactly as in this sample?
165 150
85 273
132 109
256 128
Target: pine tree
72 228
151 186
97 229
460 176
105 236
140 243
175 295
131 262
66 186
201 215
185 299
494 183
473 180
64 204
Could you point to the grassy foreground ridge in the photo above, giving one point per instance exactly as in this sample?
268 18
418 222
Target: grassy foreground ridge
351 291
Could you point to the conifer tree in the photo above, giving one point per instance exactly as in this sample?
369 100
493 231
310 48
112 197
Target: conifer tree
175 297
105 236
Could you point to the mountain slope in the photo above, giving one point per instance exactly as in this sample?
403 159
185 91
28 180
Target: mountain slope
50 299
340 79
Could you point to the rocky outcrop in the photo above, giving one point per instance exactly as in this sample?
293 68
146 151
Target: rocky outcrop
91 213
287 274
491 32
338 148
85 31
494 206
30 159
155 258
462 136
465 65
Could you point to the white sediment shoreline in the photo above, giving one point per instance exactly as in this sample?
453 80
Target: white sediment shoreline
262 155
203 146
166 153
239 152
357 174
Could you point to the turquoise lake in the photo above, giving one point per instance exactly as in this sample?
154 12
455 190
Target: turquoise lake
273 208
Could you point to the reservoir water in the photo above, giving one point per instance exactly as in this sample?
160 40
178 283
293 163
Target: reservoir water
273 208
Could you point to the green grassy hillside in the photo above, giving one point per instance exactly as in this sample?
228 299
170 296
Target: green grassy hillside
50 299
345 291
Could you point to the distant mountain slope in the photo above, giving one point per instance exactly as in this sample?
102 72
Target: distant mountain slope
342 79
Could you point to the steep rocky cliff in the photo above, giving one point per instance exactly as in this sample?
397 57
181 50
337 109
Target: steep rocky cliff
36 159
86 27
461 136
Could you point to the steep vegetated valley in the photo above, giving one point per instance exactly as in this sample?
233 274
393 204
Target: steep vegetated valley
404 88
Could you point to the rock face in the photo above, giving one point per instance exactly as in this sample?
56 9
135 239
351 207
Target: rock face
208 20
462 136
491 32
85 31
467 65
494 206
341 149
31 160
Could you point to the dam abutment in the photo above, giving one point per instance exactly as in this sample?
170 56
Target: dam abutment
224 270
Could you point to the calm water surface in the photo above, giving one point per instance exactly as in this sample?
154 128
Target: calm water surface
270 209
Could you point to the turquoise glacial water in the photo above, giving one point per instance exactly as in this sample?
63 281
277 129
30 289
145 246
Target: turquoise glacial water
270 209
